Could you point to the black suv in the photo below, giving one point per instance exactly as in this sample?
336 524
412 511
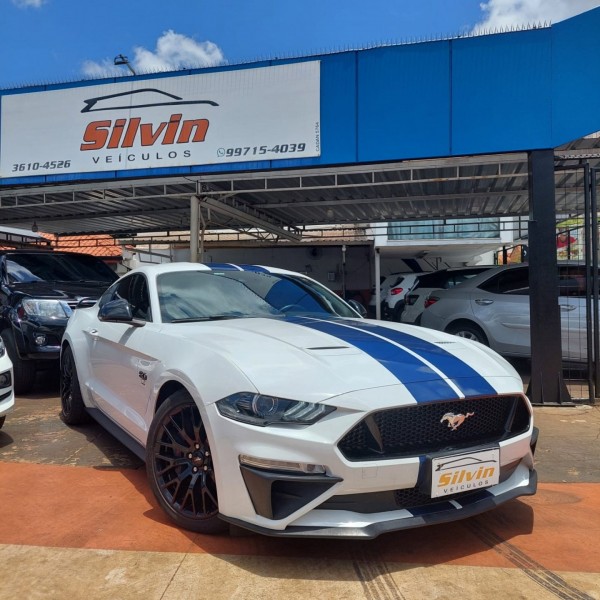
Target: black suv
38 292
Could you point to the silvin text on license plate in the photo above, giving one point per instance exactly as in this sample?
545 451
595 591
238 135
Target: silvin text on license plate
464 472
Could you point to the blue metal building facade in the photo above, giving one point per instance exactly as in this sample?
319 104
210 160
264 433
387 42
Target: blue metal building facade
506 92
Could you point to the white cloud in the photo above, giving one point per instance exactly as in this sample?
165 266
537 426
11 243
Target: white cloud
176 51
173 51
106 68
28 3
508 13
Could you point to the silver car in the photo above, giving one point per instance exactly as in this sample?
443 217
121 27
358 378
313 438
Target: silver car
493 309
444 279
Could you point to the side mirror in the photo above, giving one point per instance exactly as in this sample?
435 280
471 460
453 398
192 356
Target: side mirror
118 311
358 307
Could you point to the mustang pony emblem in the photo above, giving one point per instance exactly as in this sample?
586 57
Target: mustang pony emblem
455 421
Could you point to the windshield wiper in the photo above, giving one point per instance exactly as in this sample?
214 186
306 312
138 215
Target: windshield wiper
211 318
83 281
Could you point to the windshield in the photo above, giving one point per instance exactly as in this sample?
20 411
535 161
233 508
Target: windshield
200 295
28 268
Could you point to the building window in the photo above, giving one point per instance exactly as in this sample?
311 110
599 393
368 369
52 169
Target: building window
444 229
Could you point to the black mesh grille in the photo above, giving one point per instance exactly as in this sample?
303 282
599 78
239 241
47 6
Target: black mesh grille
418 429
413 498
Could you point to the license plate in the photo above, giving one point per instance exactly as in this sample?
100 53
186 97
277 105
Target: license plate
458 473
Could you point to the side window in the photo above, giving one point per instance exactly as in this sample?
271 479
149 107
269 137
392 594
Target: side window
134 289
452 281
513 281
572 281
109 294
139 298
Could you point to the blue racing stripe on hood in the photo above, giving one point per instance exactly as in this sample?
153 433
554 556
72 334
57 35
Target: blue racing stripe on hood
429 387
234 267
254 268
467 379
224 267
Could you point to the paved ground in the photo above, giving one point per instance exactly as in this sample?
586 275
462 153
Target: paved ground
77 520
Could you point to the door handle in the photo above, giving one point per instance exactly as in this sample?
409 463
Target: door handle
93 331
483 302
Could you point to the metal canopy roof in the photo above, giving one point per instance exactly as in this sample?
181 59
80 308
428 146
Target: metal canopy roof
477 186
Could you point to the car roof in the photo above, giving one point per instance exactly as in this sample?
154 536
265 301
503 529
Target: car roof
404 273
487 274
37 251
157 269
443 274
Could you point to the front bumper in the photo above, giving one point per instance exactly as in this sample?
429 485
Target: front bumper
7 396
27 332
354 498
442 512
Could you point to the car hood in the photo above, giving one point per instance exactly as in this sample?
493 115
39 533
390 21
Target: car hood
321 358
62 290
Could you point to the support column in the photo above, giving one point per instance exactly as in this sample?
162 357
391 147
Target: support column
194 228
377 284
546 385
595 279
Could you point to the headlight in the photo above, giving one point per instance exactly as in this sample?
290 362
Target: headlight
50 309
260 410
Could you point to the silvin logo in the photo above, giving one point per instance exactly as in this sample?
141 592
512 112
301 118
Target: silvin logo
124 133
467 471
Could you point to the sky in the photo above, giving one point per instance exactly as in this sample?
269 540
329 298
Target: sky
56 41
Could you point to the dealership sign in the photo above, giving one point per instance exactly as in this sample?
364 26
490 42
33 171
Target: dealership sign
240 115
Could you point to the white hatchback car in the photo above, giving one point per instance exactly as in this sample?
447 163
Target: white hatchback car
7 395
393 304
386 282
260 398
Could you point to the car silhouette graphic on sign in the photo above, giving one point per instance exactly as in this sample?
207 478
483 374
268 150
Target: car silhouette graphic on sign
464 461
151 97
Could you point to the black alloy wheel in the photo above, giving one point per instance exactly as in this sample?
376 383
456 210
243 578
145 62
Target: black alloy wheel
73 410
180 467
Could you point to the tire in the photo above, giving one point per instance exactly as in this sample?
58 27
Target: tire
397 311
468 331
23 370
180 468
73 410
2 419
385 311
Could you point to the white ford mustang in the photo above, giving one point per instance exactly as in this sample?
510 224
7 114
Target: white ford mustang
258 397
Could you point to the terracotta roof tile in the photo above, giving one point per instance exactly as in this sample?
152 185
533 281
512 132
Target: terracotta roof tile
103 246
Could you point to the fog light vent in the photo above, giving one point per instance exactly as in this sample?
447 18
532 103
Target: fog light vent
5 379
39 339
